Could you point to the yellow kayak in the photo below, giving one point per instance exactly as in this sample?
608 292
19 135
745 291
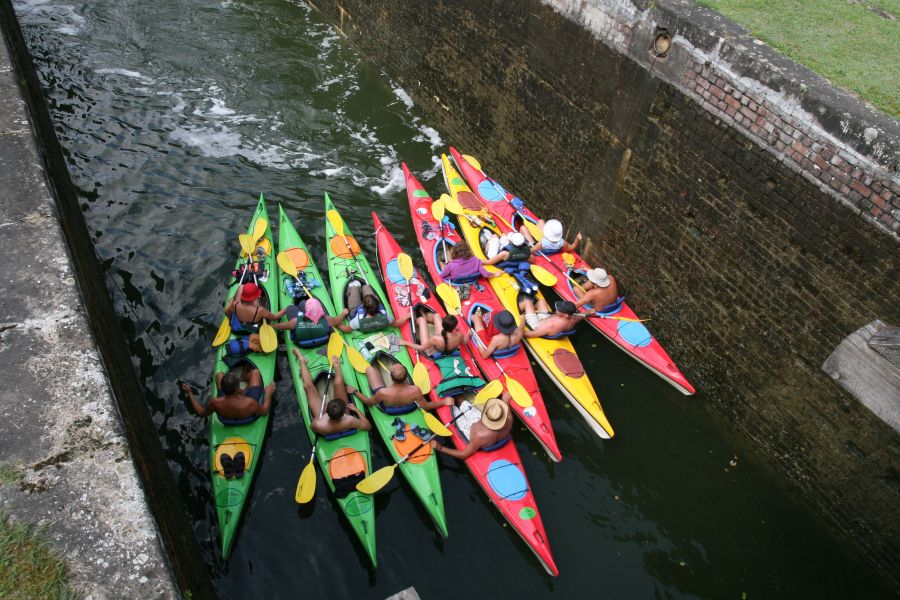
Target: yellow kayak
557 356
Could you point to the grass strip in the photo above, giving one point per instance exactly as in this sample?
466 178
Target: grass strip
849 42
29 568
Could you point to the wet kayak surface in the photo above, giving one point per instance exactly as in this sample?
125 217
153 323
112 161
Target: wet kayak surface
174 116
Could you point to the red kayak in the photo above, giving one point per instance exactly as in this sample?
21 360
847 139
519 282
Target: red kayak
617 322
480 294
498 471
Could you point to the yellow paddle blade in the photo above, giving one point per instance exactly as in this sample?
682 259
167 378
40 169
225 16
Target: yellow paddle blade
421 379
267 338
518 393
435 425
359 364
452 205
247 243
336 222
437 210
286 264
568 259
472 161
543 275
491 390
376 480
450 297
534 230
335 345
259 229
223 334
404 263
306 486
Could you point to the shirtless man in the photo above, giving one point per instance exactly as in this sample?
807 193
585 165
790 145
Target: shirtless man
600 290
245 307
340 414
399 393
543 323
446 339
495 425
232 403
503 332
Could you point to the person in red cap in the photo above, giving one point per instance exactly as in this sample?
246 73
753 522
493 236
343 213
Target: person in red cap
246 312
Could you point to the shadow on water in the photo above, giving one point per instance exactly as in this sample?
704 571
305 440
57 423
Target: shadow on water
174 116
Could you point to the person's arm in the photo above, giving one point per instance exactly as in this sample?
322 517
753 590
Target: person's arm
488 274
230 307
536 247
335 322
418 347
360 421
567 247
499 257
270 316
470 449
202 411
398 321
429 405
368 401
267 402
486 351
284 325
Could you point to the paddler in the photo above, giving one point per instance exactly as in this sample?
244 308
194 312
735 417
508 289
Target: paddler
365 312
494 427
512 254
401 393
543 323
308 323
446 339
340 413
246 312
463 267
600 290
233 404
553 241
501 333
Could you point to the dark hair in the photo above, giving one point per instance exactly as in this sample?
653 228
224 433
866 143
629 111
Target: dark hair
462 250
335 408
402 378
448 323
230 383
371 304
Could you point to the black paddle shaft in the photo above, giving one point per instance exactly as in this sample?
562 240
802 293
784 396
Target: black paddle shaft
433 435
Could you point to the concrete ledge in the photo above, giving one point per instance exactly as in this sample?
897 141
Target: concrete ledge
866 374
67 372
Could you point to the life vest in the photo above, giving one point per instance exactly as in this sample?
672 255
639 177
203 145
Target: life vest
307 331
456 377
238 326
517 253
368 323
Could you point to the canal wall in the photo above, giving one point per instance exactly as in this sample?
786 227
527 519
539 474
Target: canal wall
71 407
748 207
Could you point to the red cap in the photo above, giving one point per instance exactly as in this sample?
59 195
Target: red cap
250 292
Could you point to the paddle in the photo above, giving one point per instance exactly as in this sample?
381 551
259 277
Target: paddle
569 259
420 373
361 365
519 394
437 211
306 486
338 225
223 334
267 339
380 478
532 227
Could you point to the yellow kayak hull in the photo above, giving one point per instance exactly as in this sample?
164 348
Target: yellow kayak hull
556 357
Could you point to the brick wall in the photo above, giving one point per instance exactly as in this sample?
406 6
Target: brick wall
756 235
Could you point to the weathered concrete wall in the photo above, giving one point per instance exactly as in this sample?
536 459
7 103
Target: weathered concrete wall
59 431
749 234
70 401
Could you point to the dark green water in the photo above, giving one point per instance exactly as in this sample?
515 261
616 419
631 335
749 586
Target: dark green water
174 116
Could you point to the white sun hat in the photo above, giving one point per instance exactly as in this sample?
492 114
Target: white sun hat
598 277
553 230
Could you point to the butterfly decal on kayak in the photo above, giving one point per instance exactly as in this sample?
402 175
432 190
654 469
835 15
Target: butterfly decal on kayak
401 292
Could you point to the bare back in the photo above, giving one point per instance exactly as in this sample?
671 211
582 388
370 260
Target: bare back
398 394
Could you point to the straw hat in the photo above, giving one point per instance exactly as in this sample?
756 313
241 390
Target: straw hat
494 414
598 277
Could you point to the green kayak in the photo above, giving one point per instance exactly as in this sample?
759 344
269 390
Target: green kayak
346 265
347 456
231 494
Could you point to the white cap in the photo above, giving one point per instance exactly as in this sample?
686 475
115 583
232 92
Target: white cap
516 238
598 277
553 230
